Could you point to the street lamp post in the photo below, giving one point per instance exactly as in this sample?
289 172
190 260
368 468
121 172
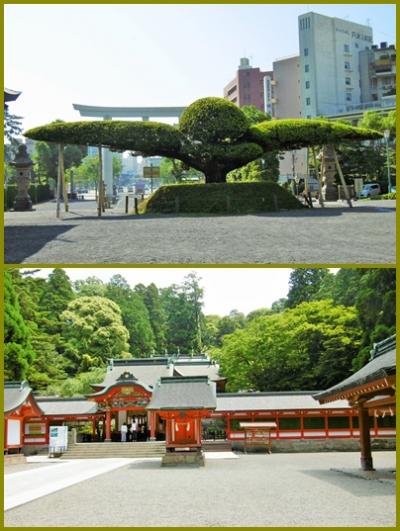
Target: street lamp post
386 134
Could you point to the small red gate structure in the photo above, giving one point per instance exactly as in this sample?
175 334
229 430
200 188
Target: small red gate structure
183 402
258 434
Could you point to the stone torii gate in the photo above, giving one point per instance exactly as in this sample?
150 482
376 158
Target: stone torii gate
108 113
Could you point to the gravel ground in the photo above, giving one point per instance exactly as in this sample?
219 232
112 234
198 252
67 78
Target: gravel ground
288 490
333 235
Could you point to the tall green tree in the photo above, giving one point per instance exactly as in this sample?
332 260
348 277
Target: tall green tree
95 331
151 298
304 283
135 316
18 352
308 347
89 287
185 323
87 172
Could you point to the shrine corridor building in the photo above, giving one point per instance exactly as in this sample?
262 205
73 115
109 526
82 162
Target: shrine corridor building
188 392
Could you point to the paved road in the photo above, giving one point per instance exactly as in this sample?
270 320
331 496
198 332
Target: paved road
28 485
288 490
333 235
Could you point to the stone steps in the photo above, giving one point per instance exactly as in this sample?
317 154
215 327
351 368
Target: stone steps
108 450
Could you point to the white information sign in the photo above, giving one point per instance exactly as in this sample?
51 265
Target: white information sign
13 432
58 439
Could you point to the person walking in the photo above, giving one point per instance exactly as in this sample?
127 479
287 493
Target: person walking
124 432
134 428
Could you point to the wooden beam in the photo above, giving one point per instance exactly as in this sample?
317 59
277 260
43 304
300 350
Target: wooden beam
59 183
100 185
339 169
318 172
63 183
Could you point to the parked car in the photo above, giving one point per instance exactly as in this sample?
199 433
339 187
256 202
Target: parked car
130 189
370 189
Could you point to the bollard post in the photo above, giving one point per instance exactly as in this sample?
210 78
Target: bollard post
126 203
136 205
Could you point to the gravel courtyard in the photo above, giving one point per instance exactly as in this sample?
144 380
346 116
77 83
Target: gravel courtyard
285 490
333 235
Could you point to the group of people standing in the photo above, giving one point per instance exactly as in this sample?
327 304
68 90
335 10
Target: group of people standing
133 432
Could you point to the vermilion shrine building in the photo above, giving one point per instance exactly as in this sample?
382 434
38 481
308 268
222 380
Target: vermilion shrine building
162 393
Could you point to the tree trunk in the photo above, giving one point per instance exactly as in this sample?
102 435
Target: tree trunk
215 174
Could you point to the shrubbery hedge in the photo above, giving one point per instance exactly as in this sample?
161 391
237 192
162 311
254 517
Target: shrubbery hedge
39 193
221 198
295 133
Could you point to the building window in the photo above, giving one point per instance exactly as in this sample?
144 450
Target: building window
349 96
346 48
308 101
305 52
306 68
292 423
347 65
338 422
348 81
356 45
307 84
314 423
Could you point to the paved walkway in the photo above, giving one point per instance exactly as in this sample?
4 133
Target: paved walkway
282 490
25 486
333 235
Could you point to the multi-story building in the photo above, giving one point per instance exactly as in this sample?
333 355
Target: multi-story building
287 104
378 73
286 83
249 87
329 63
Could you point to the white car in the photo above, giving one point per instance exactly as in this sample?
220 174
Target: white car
370 190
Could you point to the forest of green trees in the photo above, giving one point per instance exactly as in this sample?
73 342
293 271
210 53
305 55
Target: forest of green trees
59 334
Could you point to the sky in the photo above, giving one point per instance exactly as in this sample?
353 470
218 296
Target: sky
225 289
156 55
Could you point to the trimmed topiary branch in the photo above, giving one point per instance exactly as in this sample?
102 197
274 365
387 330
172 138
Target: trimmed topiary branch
214 136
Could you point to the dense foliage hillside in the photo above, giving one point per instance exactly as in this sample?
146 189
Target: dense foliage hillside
59 335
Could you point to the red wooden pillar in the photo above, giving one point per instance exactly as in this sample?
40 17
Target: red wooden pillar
228 426
152 425
365 438
302 424
108 424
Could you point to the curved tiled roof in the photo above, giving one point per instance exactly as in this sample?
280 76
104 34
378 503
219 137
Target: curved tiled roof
193 392
272 401
380 366
15 394
67 406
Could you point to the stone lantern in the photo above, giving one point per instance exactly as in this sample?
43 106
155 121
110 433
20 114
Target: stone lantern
23 165
329 188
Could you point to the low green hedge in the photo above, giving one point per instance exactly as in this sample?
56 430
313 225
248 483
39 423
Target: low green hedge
392 195
38 194
220 198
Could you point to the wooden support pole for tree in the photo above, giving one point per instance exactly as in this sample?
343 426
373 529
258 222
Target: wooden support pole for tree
339 169
318 172
100 185
365 438
63 183
58 189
